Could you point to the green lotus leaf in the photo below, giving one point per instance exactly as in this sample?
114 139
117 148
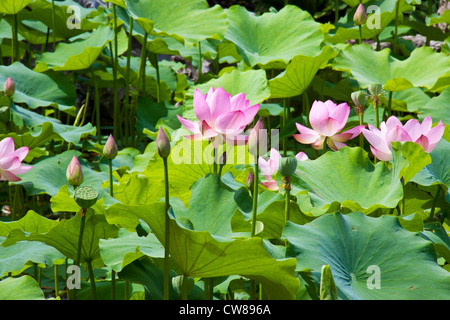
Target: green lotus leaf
48 174
119 252
423 68
211 206
64 236
77 55
38 89
436 108
263 40
199 254
345 178
24 254
13 6
408 158
438 171
22 288
195 21
370 258
46 128
299 74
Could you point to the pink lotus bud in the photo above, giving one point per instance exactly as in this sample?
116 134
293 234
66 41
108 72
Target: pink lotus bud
257 141
9 87
250 180
110 149
74 173
162 144
360 16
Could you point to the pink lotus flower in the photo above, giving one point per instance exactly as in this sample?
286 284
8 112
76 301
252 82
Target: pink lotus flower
269 167
221 116
393 130
11 161
327 119
74 173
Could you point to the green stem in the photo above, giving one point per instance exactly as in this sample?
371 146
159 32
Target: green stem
80 235
433 207
167 232
128 127
111 193
360 34
394 45
92 279
53 25
209 288
378 42
285 119
158 79
390 104
336 11
403 199
287 199
200 60
255 208
14 43
97 108
142 63
55 273
377 116
184 287
115 67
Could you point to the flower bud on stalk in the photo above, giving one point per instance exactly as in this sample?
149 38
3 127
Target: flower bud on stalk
359 101
110 149
162 144
287 166
9 87
74 173
360 16
250 181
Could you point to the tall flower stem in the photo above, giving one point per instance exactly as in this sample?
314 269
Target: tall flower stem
115 66
394 45
80 235
127 109
200 60
97 108
53 25
167 232
111 193
433 207
15 41
92 279
360 34
361 120
255 208
336 11
55 273
390 104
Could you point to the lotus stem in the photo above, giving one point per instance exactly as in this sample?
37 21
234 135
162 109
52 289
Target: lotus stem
336 11
55 273
141 76
200 60
92 279
394 45
128 127
287 197
97 108
254 211
14 43
360 34
53 25
390 104
80 235
111 193
361 137
167 232
184 287
433 207
158 80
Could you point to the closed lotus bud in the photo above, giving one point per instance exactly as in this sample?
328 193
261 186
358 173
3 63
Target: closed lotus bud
287 166
162 144
85 197
358 98
110 149
250 180
360 16
257 141
9 87
74 173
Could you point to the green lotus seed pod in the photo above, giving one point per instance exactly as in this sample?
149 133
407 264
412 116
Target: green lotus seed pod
287 166
85 196
358 98
375 89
